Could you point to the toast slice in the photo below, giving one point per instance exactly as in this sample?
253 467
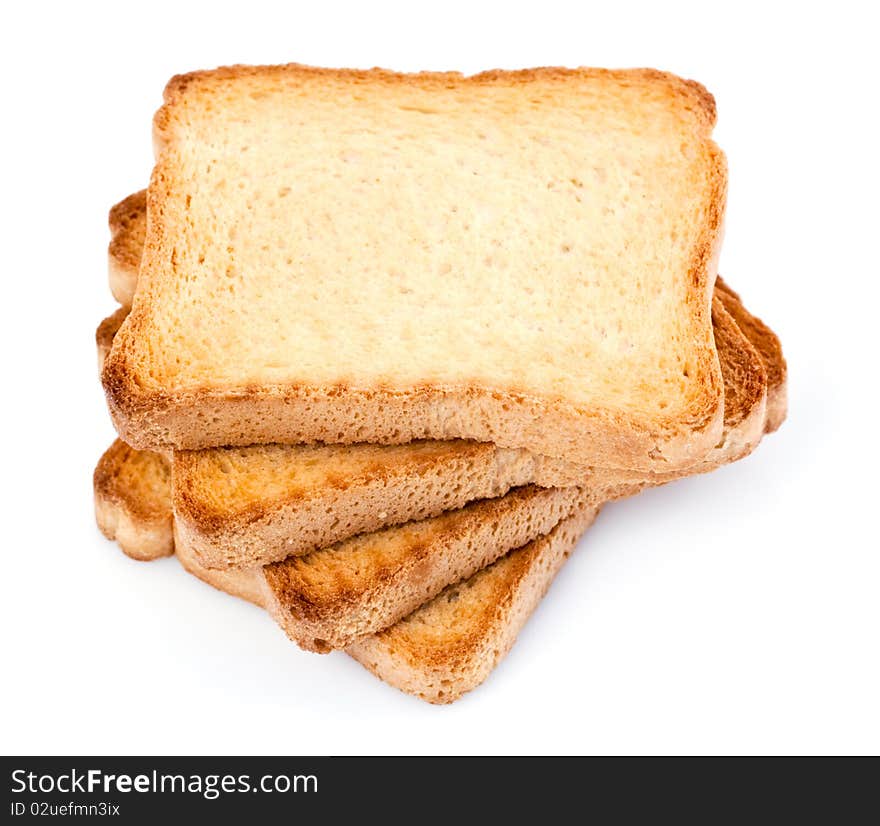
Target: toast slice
524 258
330 597
447 641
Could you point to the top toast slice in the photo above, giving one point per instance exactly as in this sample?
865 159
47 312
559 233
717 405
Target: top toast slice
517 257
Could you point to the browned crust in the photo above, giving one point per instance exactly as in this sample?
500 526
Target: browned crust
149 417
106 332
126 220
121 220
699 100
768 346
441 671
270 528
327 613
155 419
131 513
745 379
191 505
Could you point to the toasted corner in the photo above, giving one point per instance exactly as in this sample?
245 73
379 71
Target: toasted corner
105 334
769 348
450 645
127 222
132 501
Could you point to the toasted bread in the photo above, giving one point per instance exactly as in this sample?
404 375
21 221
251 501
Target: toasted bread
133 501
442 649
241 507
330 597
767 344
326 598
524 258
107 330
251 506
451 644
446 645
128 230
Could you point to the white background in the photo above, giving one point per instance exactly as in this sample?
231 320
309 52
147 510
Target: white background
735 612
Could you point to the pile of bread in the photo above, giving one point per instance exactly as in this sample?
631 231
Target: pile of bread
387 343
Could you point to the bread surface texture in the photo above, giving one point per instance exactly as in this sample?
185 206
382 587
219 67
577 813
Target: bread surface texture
364 256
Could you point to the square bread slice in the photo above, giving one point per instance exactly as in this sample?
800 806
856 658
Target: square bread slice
524 258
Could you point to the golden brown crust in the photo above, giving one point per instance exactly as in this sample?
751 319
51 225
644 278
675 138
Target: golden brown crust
769 347
241 507
149 416
697 98
133 501
745 376
330 598
194 420
127 221
106 332
451 644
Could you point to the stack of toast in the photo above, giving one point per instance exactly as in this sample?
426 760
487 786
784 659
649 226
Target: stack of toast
387 343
